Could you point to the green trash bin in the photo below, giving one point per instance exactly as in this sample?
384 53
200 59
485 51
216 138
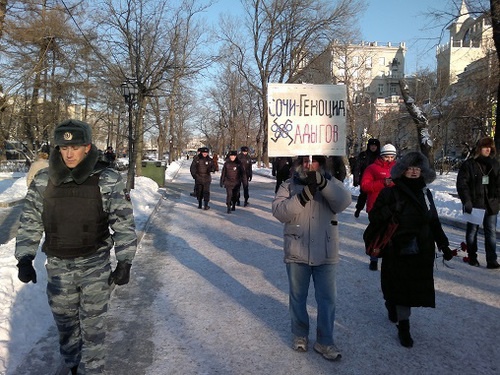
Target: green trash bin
155 170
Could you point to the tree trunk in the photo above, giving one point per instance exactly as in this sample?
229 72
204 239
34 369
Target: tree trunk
424 139
495 22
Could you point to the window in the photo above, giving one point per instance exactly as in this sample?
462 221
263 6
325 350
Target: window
368 63
355 61
381 61
381 89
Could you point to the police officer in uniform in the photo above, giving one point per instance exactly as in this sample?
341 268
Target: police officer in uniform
231 176
75 201
201 170
246 162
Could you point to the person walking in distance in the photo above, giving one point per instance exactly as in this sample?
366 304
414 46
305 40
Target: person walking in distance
375 177
408 261
307 204
195 157
364 159
231 176
41 161
281 170
84 210
201 170
478 186
246 162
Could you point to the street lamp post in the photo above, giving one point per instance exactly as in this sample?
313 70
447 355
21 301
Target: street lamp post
129 92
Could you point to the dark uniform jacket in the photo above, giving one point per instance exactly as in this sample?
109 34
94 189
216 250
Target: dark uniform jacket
201 169
232 173
246 162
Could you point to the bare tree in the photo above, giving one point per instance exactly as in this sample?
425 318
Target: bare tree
151 43
282 36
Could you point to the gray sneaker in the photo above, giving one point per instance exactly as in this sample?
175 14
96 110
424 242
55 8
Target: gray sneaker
300 344
329 352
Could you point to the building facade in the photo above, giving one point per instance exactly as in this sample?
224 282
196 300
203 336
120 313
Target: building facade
470 39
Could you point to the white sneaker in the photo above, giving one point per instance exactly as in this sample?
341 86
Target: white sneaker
300 344
329 352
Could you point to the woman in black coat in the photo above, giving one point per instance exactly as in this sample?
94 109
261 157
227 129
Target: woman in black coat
407 262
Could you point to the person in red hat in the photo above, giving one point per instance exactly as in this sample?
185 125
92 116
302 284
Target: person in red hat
376 177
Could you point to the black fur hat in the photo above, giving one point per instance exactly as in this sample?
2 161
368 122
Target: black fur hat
414 159
72 132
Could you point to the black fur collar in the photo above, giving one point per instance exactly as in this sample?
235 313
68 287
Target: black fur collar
59 172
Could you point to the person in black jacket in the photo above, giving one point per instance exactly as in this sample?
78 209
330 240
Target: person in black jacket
407 278
201 170
364 159
246 162
281 170
336 166
478 185
231 176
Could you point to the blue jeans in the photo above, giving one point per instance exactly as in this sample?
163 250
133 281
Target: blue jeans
490 238
299 276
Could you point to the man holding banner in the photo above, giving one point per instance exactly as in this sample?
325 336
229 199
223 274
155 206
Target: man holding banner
307 120
308 205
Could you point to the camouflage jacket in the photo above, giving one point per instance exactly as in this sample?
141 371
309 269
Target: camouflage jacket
115 204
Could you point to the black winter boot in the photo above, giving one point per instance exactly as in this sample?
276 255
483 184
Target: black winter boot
206 207
74 370
246 203
228 208
233 208
404 333
199 204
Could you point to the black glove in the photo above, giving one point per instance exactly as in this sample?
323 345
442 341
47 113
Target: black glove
447 253
312 182
320 180
26 271
121 274
468 207
305 196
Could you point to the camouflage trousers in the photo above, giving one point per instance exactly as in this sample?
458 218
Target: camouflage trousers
78 294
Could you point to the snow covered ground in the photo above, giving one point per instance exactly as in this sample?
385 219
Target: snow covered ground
208 295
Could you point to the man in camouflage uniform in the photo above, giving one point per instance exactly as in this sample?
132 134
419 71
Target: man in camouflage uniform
75 201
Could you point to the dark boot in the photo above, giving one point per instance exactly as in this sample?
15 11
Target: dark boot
246 203
199 204
238 202
206 207
74 370
391 312
233 206
228 208
404 333
473 259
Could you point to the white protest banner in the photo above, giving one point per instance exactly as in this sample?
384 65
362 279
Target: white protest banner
306 119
